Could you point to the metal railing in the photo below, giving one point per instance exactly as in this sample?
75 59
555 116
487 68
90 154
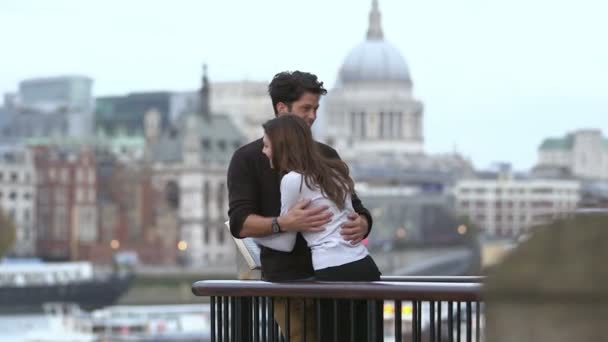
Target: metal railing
395 309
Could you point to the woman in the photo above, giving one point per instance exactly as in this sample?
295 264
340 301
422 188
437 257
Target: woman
306 174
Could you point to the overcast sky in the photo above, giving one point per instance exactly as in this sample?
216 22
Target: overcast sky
496 76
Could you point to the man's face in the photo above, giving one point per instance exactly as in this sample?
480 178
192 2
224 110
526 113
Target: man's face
305 107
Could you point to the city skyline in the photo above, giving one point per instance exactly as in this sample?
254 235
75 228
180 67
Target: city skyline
495 79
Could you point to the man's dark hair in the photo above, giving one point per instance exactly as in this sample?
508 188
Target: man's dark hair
288 87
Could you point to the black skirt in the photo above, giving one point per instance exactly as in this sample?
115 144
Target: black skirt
342 316
361 270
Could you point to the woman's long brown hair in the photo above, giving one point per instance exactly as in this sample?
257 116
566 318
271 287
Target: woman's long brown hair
294 149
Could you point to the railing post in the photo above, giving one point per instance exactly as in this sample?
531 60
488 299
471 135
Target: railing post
244 319
212 318
318 318
227 318
440 320
265 318
256 319
469 323
398 319
451 321
432 321
220 326
477 328
414 320
287 332
270 322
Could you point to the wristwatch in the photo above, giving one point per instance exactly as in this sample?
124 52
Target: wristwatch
275 225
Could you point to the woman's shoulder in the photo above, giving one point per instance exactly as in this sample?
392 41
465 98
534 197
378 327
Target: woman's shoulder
291 176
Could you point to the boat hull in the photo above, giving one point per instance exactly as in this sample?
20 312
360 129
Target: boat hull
89 294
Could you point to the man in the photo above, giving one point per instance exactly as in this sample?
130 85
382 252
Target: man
255 199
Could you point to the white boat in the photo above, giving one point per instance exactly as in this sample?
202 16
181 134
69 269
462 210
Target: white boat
66 323
26 286
125 323
158 322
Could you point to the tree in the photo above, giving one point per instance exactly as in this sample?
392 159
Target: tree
8 233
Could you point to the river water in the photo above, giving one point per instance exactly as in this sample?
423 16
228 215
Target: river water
16 327
13 328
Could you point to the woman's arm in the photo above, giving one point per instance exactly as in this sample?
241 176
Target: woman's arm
290 194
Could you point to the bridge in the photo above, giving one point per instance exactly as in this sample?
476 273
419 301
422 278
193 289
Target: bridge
444 261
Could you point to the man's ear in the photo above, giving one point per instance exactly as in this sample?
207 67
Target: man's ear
282 108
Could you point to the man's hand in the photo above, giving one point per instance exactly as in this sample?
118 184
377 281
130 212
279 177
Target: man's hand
300 219
355 229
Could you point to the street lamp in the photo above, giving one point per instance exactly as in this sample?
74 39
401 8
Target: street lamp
115 244
462 229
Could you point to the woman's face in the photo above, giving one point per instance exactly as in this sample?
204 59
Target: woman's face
267 149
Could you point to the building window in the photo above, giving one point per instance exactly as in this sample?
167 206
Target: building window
542 204
27 196
60 231
26 215
1 176
79 194
79 175
172 194
363 125
221 145
221 237
206 144
12 196
65 177
60 195
353 123
358 125
206 197
396 124
220 200
14 177
43 195
92 176
416 125
381 125
399 126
